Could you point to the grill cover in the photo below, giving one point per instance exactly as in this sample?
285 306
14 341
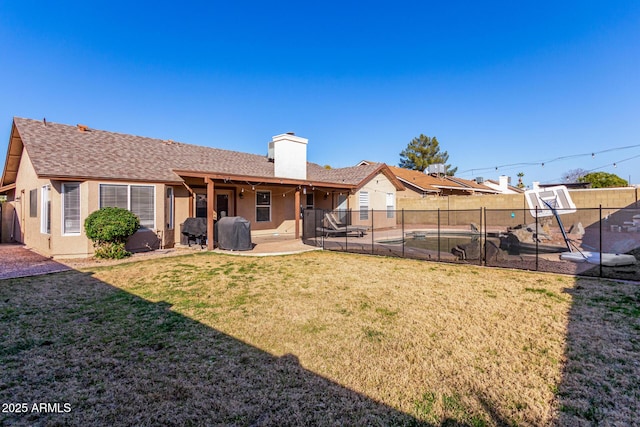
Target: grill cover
196 227
234 233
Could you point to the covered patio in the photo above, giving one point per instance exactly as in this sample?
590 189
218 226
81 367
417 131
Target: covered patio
272 205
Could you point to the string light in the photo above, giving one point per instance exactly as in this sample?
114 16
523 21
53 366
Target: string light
571 156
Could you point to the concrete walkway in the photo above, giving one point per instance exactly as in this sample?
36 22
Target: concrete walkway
18 261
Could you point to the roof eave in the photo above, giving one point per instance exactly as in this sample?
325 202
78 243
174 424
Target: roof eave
269 180
106 178
411 184
384 169
3 178
7 188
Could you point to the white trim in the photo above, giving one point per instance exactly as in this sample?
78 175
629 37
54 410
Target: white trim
45 209
62 205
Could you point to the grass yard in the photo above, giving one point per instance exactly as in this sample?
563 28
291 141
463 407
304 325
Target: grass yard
319 338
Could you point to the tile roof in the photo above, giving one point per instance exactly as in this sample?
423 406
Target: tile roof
472 184
425 182
64 151
432 183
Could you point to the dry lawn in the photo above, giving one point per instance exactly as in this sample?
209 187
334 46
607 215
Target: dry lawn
318 339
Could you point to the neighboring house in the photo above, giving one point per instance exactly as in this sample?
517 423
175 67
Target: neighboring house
502 185
416 183
55 175
472 187
419 184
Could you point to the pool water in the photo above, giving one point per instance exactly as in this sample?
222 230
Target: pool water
446 243
430 242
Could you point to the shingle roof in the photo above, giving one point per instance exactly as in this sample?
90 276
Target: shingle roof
58 150
349 175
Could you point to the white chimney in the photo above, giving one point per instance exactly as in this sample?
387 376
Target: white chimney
504 182
289 154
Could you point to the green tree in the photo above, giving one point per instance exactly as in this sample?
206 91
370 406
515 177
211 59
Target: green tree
422 152
520 183
603 180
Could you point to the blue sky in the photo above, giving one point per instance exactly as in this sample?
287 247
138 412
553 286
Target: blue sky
498 83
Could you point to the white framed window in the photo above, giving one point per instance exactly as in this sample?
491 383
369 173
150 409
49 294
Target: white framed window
391 205
263 206
363 203
170 208
71 208
142 203
45 211
139 199
114 196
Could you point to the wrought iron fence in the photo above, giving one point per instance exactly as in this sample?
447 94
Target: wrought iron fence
601 242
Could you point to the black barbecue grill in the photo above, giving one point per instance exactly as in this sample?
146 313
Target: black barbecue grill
195 230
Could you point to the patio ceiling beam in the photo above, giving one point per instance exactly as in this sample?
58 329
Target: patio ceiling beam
268 180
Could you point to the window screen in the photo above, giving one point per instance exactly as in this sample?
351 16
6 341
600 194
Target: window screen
33 203
139 199
143 205
71 208
364 205
114 196
391 201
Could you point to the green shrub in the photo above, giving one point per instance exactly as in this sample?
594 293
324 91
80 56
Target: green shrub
109 229
111 250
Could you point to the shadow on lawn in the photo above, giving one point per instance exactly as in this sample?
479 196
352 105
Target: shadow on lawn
118 359
600 377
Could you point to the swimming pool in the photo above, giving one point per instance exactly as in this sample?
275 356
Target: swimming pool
429 241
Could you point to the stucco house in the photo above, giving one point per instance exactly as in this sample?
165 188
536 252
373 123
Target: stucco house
55 175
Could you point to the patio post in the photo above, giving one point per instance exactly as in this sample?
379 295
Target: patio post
297 212
210 209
